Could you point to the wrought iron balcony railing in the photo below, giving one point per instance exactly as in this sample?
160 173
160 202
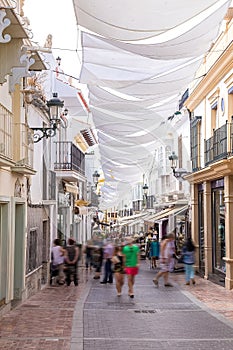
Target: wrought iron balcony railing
69 157
220 145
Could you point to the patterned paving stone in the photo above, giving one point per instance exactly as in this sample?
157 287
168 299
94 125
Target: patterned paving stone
92 317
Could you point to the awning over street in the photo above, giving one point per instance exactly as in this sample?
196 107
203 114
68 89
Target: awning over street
133 219
166 213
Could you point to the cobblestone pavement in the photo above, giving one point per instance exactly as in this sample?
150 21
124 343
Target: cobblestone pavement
92 317
43 322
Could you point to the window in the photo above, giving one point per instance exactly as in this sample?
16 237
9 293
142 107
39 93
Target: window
214 109
6 132
32 250
230 102
137 205
195 143
52 185
150 202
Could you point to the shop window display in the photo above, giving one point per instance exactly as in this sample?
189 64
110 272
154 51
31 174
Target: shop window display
219 229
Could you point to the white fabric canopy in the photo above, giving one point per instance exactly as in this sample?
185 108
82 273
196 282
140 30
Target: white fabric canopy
108 65
179 47
138 58
123 19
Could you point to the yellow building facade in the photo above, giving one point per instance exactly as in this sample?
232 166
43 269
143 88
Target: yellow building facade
210 104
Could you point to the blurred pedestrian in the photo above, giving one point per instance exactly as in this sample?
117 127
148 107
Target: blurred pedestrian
154 252
97 260
88 255
71 262
164 261
172 254
148 244
108 253
57 268
132 260
188 258
118 268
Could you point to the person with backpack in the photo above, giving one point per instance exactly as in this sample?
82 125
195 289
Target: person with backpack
71 262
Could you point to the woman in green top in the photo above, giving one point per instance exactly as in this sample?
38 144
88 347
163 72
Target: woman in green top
132 259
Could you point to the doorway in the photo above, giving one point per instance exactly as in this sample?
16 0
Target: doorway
19 251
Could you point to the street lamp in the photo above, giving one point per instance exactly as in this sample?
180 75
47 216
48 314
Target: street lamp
55 106
145 193
179 173
58 59
173 161
145 190
96 176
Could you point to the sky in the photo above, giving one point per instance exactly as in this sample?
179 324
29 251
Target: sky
52 17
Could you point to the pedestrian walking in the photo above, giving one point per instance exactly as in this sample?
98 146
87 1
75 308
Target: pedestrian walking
172 254
118 268
154 252
71 262
97 260
148 244
108 253
57 265
164 261
132 260
88 255
188 258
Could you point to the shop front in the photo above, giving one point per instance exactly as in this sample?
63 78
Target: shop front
212 221
218 228
211 233
201 238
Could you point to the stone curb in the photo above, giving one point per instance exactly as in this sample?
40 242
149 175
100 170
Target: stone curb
76 342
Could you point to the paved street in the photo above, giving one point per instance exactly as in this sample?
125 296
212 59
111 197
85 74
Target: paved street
91 316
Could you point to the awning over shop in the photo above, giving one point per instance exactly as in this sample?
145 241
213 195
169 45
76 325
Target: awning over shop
166 213
81 203
133 217
156 216
136 222
178 211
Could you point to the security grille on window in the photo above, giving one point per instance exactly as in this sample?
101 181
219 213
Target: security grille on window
32 250
52 185
195 142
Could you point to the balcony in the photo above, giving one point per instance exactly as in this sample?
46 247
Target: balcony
24 154
69 161
6 150
220 145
